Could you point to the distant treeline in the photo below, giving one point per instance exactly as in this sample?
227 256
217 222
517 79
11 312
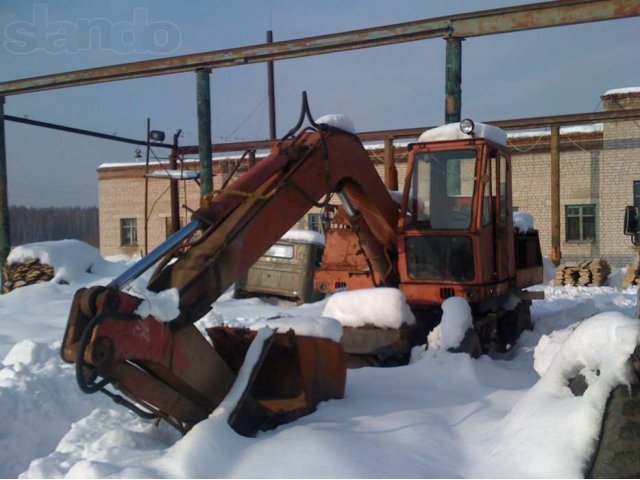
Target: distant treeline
41 224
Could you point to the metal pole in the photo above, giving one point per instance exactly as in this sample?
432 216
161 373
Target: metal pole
556 254
272 92
146 192
5 237
453 80
204 130
390 170
173 192
252 158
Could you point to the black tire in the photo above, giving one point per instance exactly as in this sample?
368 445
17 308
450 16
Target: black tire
618 451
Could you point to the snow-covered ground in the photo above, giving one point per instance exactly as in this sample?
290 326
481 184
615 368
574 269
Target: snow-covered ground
443 415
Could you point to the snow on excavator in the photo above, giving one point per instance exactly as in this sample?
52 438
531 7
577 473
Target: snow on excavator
453 235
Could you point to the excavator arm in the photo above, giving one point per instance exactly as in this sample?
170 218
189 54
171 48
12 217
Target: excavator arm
243 221
167 369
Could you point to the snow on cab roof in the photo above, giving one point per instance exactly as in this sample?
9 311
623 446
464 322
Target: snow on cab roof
451 131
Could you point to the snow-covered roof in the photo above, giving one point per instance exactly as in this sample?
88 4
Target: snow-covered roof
304 236
622 91
451 131
175 174
542 132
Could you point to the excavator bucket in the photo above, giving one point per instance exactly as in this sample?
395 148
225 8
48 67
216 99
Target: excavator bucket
175 374
293 375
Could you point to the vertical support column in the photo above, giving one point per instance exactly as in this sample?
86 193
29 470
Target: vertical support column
146 190
252 158
5 237
173 186
556 254
390 170
272 93
453 80
203 89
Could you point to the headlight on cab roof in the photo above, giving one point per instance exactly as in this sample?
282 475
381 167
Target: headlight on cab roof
467 126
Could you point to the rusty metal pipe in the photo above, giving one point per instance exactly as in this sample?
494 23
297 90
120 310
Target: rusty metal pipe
466 25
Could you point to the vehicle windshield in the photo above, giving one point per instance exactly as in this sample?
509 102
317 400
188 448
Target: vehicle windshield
441 192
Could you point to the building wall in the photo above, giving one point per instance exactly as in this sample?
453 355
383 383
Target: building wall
620 166
596 168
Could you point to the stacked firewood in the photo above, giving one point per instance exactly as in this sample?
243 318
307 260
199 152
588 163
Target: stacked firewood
633 275
592 273
29 272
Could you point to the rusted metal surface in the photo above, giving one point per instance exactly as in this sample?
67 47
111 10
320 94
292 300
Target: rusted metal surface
511 124
343 265
175 374
294 375
487 22
453 80
390 170
259 207
203 93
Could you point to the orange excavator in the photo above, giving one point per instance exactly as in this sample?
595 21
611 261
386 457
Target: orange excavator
452 235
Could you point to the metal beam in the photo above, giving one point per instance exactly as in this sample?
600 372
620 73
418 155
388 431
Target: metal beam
466 25
411 133
82 131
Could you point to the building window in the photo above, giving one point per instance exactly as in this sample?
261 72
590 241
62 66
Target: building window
314 221
581 222
636 193
128 232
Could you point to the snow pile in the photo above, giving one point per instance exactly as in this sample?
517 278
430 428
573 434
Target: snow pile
70 259
40 401
456 320
523 221
560 430
379 307
451 131
163 306
339 121
304 236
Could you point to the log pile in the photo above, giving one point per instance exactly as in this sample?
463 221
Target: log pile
592 273
18 275
633 275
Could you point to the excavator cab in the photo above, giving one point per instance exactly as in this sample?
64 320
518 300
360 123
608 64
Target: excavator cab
456 234
456 218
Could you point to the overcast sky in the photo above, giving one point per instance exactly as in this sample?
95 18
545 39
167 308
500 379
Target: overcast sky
541 72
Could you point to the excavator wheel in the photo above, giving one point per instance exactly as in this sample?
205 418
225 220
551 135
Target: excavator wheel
618 452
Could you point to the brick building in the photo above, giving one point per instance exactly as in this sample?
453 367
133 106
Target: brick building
599 176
